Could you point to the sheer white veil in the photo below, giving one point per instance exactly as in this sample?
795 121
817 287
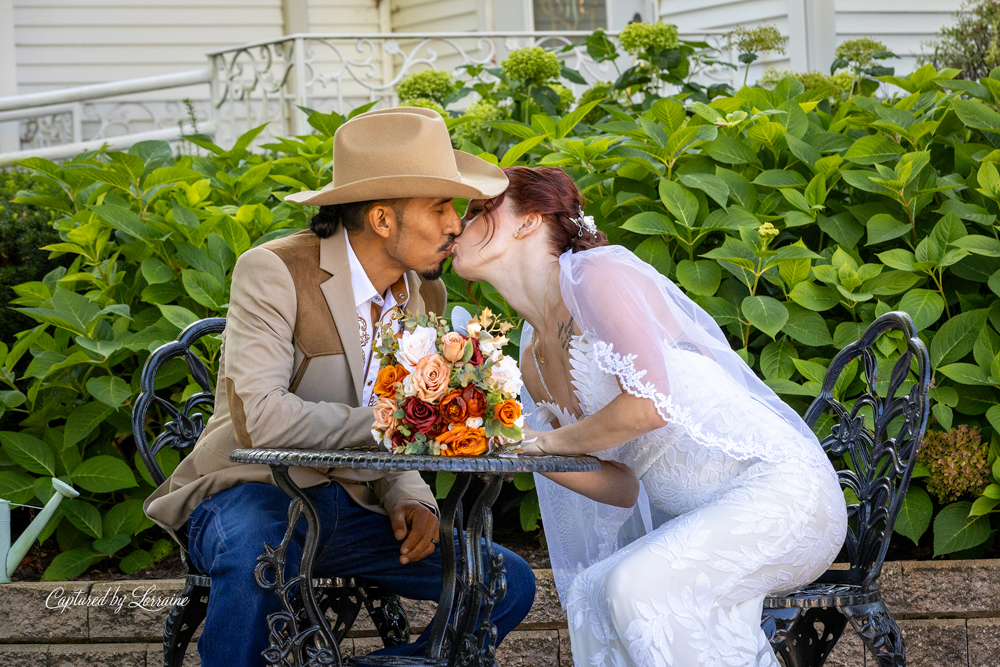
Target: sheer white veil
579 531
662 346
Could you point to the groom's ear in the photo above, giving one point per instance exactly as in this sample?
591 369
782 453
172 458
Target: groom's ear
382 219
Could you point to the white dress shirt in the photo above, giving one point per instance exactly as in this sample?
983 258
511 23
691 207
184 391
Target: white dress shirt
381 308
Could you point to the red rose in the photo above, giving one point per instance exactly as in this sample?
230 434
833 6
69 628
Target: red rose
422 416
477 356
398 441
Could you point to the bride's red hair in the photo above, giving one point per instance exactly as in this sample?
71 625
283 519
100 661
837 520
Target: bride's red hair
550 192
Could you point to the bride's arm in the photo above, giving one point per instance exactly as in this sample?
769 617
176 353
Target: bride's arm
614 484
622 420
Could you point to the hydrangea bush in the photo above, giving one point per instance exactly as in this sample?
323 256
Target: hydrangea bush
793 221
956 461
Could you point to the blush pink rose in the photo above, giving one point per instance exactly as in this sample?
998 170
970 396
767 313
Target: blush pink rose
430 378
385 415
454 346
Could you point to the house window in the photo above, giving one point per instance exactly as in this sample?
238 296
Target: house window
570 14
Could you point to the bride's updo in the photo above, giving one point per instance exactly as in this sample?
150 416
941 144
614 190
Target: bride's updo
550 192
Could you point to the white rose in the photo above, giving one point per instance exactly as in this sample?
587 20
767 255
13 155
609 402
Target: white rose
415 345
507 376
408 388
474 422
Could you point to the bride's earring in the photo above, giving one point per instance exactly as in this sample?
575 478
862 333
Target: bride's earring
515 235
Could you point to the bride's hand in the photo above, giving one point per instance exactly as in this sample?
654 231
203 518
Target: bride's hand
533 442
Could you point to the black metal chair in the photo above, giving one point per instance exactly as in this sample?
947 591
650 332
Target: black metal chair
880 432
344 597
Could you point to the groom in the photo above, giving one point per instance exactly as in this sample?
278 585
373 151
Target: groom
296 371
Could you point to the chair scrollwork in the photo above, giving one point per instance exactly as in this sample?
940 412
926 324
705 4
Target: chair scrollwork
187 422
878 433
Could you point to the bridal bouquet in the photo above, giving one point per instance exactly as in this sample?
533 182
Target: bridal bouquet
446 393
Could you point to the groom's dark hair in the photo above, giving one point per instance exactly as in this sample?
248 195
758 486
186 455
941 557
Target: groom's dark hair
351 215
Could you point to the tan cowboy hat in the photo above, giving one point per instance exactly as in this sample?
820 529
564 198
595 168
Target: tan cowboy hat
401 152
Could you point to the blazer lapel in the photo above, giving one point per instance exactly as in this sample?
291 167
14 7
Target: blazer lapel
339 293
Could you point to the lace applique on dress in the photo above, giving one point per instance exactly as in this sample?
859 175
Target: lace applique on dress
740 426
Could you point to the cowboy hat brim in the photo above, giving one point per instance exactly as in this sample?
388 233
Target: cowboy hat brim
477 179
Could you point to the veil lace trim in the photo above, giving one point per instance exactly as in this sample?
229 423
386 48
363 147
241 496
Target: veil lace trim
754 444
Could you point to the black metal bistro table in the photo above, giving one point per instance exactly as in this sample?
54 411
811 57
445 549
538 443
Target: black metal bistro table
470 587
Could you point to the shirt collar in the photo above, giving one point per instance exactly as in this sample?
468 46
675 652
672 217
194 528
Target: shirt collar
364 291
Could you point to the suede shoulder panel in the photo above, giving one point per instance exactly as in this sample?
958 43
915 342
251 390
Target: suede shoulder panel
315 332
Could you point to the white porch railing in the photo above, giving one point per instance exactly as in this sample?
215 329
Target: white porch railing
266 82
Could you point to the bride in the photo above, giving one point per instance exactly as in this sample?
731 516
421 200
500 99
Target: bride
712 493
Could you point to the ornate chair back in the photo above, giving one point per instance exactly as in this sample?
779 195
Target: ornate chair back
878 432
187 421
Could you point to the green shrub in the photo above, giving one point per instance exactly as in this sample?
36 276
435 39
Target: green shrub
836 85
425 103
971 44
862 57
153 240
877 206
638 38
531 64
956 460
475 130
792 223
23 231
751 42
430 84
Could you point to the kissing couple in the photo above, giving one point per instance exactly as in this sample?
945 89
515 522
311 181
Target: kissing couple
712 493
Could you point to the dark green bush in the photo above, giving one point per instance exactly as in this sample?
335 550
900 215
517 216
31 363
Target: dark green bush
792 222
971 44
23 231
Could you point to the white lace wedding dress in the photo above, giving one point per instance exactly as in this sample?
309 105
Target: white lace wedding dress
757 509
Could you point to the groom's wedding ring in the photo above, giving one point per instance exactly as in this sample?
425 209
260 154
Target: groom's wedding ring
435 542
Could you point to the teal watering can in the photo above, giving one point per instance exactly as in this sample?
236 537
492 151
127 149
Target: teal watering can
10 556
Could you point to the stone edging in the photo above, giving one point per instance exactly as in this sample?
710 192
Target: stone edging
949 612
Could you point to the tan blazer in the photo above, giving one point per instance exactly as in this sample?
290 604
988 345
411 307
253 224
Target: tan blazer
290 375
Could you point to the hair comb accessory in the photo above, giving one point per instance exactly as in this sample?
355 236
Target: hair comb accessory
585 223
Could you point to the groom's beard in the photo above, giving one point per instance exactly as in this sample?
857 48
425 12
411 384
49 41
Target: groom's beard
435 273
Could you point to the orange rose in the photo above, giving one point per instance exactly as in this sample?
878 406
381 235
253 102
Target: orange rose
453 409
463 441
453 346
430 378
475 400
507 412
388 376
385 415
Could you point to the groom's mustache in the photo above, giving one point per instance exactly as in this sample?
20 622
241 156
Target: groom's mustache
447 246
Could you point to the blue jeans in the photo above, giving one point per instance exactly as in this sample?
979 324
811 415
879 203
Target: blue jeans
227 532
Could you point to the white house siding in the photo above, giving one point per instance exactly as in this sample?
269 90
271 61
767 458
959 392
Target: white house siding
438 16
696 15
344 17
902 25
65 43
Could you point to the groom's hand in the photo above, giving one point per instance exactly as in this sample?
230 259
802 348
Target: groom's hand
416 523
